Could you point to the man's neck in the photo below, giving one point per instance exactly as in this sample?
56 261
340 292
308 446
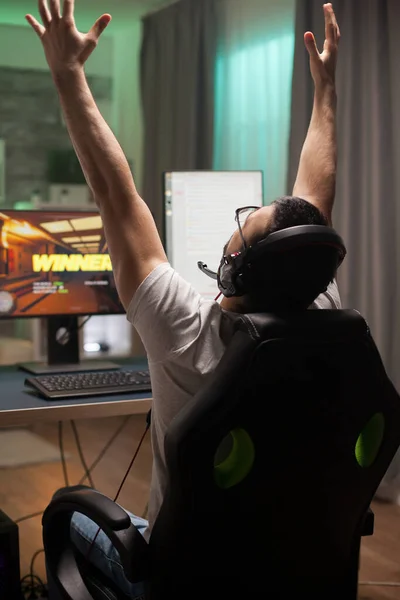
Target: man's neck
233 305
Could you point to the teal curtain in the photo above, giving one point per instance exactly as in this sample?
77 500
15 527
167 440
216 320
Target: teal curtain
253 78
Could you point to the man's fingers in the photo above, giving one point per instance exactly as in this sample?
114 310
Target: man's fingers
68 9
337 29
99 26
35 25
44 13
311 45
330 24
331 34
334 20
55 9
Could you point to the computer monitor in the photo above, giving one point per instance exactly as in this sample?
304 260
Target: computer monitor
200 218
55 264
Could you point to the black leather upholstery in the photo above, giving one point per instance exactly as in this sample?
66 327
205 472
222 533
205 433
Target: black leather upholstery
283 515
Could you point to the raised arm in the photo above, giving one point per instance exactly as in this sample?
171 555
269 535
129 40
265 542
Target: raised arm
316 177
132 237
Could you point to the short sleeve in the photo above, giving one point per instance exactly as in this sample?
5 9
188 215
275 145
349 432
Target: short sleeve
330 299
166 311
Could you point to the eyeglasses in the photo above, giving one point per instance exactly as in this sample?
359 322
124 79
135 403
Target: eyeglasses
241 216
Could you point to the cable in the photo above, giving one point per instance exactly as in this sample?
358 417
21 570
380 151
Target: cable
26 517
131 463
381 583
37 590
61 446
31 583
81 455
123 480
90 469
74 330
104 450
146 510
33 560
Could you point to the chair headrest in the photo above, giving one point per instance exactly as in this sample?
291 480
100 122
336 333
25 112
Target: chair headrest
298 265
301 236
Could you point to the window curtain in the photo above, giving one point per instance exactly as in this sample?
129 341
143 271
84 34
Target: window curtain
177 86
367 207
253 76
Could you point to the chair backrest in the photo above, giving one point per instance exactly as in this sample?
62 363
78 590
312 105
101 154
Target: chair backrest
272 467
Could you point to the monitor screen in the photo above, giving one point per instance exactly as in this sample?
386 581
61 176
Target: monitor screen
55 263
200 218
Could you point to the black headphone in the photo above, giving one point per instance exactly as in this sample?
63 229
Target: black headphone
234 268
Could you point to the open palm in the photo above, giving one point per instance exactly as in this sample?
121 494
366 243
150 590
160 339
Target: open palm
65 47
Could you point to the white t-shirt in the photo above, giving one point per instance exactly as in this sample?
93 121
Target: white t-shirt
185 337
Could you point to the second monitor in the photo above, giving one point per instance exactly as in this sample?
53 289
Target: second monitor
200 218
55 264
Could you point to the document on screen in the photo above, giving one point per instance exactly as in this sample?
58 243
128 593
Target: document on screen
200 218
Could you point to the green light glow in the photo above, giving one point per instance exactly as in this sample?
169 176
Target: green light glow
252 110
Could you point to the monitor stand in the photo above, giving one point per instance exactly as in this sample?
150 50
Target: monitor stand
63 351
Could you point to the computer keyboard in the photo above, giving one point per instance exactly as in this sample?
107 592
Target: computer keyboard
96 383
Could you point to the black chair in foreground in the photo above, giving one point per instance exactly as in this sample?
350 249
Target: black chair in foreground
271 471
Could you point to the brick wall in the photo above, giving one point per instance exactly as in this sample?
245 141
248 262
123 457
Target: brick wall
31 125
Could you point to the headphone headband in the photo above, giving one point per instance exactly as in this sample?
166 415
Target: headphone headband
299 236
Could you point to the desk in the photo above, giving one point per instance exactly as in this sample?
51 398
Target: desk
20 405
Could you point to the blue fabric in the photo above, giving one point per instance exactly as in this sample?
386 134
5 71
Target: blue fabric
103 555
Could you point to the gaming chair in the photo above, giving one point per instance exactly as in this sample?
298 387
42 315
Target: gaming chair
271 471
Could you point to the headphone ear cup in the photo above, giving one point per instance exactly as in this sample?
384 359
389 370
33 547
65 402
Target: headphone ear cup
231 280
225 280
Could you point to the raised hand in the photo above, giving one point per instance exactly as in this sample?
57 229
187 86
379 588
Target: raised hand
65 47
323 66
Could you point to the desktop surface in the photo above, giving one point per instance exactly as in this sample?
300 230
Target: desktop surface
20 405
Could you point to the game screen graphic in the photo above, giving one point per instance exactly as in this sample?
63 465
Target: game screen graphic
55 263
